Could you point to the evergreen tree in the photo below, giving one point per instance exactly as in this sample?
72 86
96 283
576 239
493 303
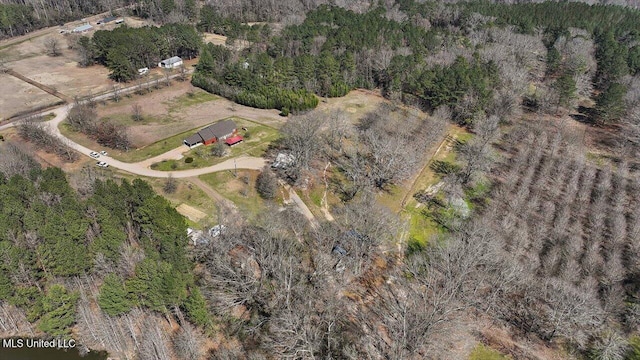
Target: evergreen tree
610 103
565 85
196 307
634 60
113 296
206 65
59 311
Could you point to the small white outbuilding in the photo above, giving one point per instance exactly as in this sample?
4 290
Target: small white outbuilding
171 63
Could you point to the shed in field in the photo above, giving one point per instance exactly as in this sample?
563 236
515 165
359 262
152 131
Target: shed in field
170 63
82 28
107 19
234 140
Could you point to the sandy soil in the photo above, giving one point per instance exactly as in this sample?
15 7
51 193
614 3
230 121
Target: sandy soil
17 96
215 39
190 212
356 103
64 74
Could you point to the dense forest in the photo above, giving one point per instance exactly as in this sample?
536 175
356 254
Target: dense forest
125 50
122 232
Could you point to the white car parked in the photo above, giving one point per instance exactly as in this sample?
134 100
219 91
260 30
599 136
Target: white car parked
103 153
94 154
102 164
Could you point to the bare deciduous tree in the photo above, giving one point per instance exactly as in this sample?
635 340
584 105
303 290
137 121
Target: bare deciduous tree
136 112
187 343
52 46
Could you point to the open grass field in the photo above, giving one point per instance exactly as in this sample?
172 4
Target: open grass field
483 352
178 108
239 189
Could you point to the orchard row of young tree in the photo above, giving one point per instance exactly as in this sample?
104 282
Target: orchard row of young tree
124 234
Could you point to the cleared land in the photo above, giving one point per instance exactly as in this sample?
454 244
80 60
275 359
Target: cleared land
191 213
169 115
64 74
19 96
356 103
26 56
239 189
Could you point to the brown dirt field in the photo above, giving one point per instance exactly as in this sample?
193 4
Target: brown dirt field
64 74
164 103
18 96
25 55
190 212
356 103
215 39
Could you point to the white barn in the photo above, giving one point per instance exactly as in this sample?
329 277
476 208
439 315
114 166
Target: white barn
83 28
171 63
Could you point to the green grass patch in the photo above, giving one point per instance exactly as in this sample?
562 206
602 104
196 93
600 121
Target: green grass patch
421 227
315 195
235 189
483 352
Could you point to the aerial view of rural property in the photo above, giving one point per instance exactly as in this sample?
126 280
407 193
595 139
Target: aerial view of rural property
319 179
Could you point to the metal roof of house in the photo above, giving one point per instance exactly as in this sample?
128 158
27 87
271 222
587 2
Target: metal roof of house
218 130
171 60
193 139
233 140
83 28
108 19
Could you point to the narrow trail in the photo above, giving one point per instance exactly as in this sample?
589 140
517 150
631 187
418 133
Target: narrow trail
323 203
448 138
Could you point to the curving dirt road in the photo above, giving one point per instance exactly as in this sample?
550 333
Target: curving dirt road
142 168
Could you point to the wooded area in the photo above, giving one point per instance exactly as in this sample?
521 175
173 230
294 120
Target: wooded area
535 208
122 232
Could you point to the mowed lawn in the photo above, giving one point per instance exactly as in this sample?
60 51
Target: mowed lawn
256 140
239 188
